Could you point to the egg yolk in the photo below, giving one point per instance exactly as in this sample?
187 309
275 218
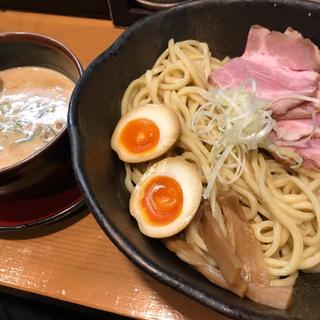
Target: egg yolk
162 200
140 135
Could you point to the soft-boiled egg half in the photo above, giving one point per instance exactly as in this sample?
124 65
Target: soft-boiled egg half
145 133
166 198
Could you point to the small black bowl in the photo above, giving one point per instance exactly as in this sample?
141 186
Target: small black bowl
95 109
51 166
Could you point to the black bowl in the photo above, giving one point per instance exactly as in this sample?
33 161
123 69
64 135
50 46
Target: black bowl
51 166
95 109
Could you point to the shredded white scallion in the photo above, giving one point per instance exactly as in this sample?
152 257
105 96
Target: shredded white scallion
305 139
233 121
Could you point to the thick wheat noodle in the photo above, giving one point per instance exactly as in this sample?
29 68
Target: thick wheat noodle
282 206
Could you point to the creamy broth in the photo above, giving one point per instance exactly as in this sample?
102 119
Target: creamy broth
33 110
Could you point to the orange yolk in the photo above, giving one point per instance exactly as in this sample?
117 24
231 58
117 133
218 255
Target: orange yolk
162 200
140 135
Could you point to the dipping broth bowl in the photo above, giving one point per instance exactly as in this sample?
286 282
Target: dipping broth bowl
50 166
95 110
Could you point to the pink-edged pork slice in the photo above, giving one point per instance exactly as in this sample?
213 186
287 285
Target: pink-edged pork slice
273 83
302 111
283 65
310 153
289 49
295 130
285 68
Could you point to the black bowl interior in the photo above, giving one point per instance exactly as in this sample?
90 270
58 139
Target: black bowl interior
95 109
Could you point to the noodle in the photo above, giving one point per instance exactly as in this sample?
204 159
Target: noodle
281 204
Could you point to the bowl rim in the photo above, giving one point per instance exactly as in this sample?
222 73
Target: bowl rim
111 231
41 40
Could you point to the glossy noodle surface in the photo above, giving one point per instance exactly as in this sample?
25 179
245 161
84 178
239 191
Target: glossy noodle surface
281 204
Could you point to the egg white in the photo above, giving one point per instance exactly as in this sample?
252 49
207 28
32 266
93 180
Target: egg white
165 119
189 180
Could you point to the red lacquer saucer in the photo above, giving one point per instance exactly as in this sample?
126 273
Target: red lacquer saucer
40 208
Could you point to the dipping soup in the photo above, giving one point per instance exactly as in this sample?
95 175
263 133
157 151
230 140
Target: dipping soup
33 110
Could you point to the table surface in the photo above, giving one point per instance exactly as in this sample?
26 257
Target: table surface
73 260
